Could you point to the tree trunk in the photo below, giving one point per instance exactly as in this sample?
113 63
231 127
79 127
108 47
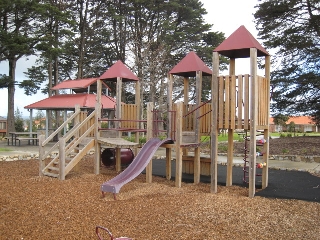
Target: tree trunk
11 91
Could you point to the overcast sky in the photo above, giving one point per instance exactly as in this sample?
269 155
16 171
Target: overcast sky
225 15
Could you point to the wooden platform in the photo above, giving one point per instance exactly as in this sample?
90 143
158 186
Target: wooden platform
116 142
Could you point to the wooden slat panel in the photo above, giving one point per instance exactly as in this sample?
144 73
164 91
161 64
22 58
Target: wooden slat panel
246 102
221 102
227 102
266 96
232 96
240 100
263 101
129 112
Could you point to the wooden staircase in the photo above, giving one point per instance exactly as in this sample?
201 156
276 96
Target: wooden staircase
60 159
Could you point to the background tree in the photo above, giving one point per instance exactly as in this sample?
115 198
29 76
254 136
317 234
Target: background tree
18 121
20 22
82 38
281 120
292 29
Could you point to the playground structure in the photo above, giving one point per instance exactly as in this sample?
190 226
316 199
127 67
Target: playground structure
238 102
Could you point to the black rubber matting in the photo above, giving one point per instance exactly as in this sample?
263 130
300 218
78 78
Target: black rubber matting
282 184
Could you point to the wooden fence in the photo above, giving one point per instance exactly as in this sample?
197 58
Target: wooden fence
233 105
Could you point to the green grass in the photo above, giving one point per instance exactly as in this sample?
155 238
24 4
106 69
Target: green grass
5 150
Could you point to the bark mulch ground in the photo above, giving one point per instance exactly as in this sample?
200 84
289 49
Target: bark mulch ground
33 207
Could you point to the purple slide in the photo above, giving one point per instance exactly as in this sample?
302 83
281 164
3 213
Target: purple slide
136 167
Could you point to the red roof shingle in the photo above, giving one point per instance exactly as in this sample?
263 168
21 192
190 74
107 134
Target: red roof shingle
74 84
68 101
189 65
238 45
119 70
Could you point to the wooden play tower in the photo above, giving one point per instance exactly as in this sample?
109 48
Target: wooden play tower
240 102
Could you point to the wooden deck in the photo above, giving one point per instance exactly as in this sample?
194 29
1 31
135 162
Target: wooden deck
116 142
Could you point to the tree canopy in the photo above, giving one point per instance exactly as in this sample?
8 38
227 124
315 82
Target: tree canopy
291 28
81 39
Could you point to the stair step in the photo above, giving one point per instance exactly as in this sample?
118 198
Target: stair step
53 168
57 163
49 174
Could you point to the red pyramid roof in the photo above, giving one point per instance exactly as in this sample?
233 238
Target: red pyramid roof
118 70
188 66
238 45
68 101
74 84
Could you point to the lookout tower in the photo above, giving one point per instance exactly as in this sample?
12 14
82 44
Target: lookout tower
240 102
191 68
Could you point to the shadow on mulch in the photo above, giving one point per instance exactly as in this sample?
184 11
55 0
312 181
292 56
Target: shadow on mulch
282 184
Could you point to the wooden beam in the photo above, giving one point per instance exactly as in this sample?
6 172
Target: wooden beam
253 121
150 107
186 90
41 154
168 163
240 101
186 101
214 125
232 66
118 159
196 175
169 106
138 116
62 158
196 166
178 144
118 102
229 158
97 148
230 121
265 171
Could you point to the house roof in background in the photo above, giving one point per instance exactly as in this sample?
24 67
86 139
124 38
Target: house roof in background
119 70
238 45
301 120
3 119
189 66
68 102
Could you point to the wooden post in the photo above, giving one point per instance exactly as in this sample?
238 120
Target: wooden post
169 106
62 159
48 115
265 171
232 67
168 163
185 103
41 154
118 159
118 102
214 125
196 170
118 124
65 117
97 149
149 136
178 144
30 123
253 121
138 115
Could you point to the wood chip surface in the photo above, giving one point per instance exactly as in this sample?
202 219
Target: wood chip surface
33 207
